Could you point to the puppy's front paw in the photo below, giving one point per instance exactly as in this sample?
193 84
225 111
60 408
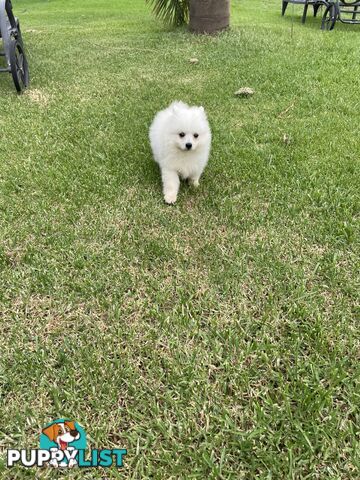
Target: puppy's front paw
170 198
194 183
72 463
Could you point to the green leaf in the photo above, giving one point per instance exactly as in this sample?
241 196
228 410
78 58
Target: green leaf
172 12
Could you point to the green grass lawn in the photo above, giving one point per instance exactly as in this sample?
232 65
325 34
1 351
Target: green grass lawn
215 339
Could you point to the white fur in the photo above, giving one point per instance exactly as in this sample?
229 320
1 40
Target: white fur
169 148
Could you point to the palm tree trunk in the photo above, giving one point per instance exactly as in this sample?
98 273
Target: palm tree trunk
209 16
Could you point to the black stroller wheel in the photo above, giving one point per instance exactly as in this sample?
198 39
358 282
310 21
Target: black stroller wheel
329 18
18 64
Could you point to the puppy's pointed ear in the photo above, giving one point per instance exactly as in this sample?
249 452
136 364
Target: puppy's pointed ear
202 112
51 432
71 425
175 110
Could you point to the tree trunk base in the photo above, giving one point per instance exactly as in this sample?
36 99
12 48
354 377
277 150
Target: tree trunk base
209 16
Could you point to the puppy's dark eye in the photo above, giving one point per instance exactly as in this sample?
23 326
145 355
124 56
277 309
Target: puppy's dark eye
182 134
196 135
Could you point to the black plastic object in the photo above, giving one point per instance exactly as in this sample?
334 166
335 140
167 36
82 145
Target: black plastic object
13 47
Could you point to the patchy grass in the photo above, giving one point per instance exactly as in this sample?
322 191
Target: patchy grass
214 339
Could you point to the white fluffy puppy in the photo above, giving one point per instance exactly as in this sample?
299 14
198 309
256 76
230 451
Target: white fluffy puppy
180 139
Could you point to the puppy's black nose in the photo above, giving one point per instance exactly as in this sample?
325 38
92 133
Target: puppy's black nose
74 433
188 146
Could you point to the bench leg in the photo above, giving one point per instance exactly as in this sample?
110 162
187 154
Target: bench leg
316 9
284 7
355 13
305 12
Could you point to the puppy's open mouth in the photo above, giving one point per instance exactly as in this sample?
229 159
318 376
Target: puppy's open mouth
63 445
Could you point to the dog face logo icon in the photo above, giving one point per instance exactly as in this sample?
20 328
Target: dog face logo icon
63 438
62 433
